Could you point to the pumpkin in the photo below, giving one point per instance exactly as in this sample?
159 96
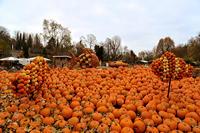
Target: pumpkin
184 127
98 100
139 126
127 130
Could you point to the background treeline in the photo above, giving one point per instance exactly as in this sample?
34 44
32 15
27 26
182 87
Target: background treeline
189 51
56 40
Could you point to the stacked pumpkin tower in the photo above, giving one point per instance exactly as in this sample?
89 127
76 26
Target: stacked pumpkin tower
32 76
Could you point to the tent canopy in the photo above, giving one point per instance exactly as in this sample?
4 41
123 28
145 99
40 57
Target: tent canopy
30 59
9 59
24 61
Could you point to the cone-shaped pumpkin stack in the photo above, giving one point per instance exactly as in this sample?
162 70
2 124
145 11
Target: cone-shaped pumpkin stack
32 76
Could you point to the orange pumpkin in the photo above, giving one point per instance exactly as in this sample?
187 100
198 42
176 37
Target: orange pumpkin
139 126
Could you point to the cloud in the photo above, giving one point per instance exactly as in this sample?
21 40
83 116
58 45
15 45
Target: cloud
140 24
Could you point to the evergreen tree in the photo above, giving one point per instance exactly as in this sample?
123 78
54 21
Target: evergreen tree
24 46
50 48
99 50
18 41
30 41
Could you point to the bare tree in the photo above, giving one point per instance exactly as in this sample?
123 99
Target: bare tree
115 47
112 48
125 50
89 40
4 33
82 41
164 45
52 29
181 51
193 48
146 55
107 47
141 55
149 55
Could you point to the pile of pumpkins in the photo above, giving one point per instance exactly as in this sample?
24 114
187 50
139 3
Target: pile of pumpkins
31 77
117 64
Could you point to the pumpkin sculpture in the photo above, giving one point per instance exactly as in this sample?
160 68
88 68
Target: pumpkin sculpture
32 76
168 67
87 59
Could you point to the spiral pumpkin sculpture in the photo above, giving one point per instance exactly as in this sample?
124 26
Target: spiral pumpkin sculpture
168 67
87 59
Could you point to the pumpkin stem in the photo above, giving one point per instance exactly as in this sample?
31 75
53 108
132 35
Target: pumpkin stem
169 87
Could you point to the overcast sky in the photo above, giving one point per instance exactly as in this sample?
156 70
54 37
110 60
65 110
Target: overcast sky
139 23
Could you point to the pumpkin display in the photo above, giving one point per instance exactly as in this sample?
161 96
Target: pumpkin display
32 76
168 67
87 59
126 100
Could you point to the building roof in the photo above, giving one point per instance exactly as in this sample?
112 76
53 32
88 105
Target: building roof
62 56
